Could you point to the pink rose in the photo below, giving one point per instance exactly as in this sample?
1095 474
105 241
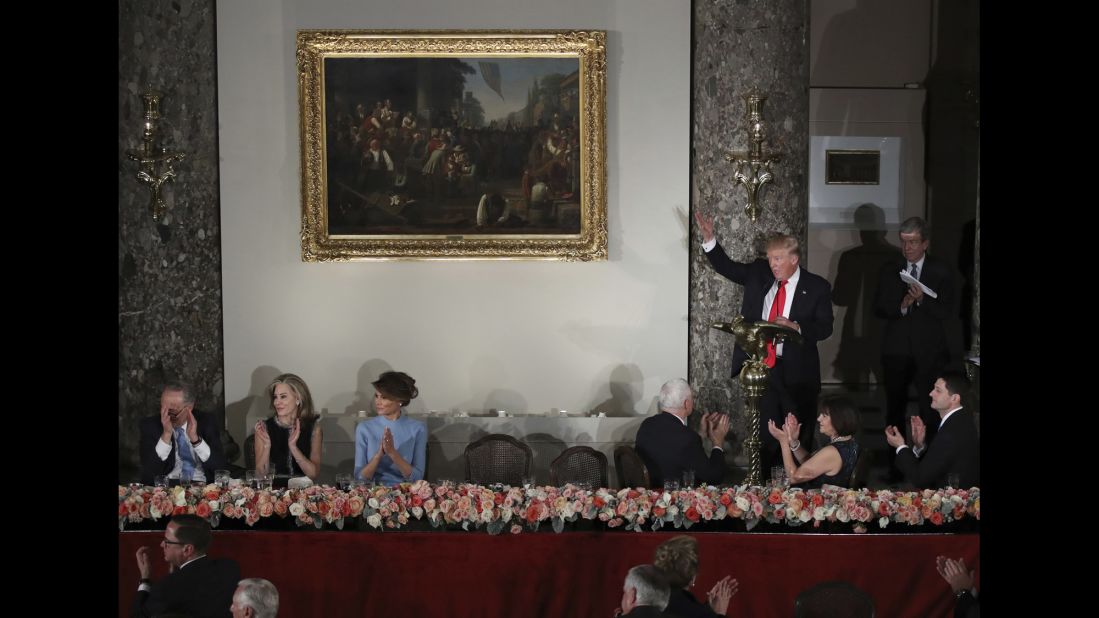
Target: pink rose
516 528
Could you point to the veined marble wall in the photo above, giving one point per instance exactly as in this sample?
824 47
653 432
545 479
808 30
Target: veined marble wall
169 274
738 46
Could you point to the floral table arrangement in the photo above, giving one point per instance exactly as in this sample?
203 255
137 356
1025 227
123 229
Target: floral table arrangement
513 509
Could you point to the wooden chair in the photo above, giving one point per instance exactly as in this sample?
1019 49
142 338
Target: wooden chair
630 468
498 458
579 464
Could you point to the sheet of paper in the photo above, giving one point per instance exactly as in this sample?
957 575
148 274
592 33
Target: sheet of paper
907 278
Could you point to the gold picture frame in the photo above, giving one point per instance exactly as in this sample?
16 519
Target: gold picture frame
489 145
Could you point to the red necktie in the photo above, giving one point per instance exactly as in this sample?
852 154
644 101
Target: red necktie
776 310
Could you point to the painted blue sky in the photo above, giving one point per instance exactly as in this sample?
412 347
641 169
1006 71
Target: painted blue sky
516 76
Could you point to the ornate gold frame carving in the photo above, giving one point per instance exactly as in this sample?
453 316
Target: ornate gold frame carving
589 47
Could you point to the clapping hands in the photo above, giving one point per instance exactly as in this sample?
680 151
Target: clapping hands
723 590
714 426
955 573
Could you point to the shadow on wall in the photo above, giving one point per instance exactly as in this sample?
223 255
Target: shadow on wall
486 373
859 353
241 415
363 398
625 386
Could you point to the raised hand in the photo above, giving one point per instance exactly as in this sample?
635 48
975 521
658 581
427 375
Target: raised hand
705 225
721 593
262 437
192 425
919 431
387 443
894 437
144 566
778 434
719 428
955 573
166 425
295 432
792 426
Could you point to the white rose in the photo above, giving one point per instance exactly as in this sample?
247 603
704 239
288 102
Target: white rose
486 516
373 502
505 514
296 509
805 515
742 503
417 511
374 520
214 505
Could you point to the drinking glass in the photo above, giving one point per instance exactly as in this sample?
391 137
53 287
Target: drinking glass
688 478
221 477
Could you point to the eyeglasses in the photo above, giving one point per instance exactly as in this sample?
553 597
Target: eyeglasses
167 542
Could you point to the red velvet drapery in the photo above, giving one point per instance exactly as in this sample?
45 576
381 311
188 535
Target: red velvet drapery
454 574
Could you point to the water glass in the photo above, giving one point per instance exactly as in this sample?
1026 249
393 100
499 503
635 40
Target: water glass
343 482
954 480
185 479
670 485
688 478
161 480
250 478
221 477
778 476
265 481
528 482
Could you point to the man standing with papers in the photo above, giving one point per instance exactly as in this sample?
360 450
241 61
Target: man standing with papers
915 297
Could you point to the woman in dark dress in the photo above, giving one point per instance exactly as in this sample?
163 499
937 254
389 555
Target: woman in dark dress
289 443
678 559
832 464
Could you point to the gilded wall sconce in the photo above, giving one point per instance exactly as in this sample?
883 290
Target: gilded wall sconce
154 162
753 168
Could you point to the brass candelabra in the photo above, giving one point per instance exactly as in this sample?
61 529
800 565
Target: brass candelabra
753 338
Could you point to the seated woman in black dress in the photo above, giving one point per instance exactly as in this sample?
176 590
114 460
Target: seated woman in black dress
832 464
289 443
678 559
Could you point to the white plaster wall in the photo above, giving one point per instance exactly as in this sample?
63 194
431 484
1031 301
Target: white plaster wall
527 337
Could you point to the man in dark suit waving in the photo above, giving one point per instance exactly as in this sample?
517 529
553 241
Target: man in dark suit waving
779 290
956 449
668 447
197 586
914 345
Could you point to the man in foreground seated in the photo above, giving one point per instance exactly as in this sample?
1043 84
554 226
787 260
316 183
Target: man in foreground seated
181 441
196 585
955 449
255 598
645 592
668 447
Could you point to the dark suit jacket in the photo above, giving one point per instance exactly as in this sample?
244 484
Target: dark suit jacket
811 308
668 447
683 603
648 611
151 465
201 589
922 333
956 448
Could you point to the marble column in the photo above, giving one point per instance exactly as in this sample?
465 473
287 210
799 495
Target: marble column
737 46
169 274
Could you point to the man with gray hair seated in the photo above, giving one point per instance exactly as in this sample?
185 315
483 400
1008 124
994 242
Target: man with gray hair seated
645 592
255 598
668 446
